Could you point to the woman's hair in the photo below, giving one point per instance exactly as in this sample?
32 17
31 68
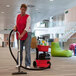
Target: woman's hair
23 5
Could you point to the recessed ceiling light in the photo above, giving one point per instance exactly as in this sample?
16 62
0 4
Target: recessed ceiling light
51 0
7 5
2 12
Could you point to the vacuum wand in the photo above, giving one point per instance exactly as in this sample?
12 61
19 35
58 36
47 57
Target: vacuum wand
18 53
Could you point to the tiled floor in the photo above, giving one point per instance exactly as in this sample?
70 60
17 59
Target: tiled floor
60 66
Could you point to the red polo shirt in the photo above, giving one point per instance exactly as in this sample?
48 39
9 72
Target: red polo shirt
21 25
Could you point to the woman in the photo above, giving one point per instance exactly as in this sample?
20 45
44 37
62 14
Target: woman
23 27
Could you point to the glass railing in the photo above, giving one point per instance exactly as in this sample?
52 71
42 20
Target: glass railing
70 29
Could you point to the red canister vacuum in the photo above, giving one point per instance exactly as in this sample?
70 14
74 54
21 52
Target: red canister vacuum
42 59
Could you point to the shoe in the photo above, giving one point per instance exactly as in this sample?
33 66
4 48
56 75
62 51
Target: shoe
17 66
28 67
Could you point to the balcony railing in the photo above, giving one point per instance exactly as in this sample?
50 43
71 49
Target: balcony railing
70 29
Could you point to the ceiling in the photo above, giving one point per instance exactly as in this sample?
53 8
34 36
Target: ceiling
38 9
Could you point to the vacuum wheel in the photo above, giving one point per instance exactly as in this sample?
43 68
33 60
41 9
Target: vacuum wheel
49 64
34 64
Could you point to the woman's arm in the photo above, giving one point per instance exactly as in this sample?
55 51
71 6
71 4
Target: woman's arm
28 25
23 33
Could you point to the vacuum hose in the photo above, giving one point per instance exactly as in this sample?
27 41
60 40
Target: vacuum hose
10 47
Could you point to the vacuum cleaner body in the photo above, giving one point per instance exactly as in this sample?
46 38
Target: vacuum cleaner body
42 63
42 59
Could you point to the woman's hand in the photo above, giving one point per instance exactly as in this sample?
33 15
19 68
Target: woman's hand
15 29
20 36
